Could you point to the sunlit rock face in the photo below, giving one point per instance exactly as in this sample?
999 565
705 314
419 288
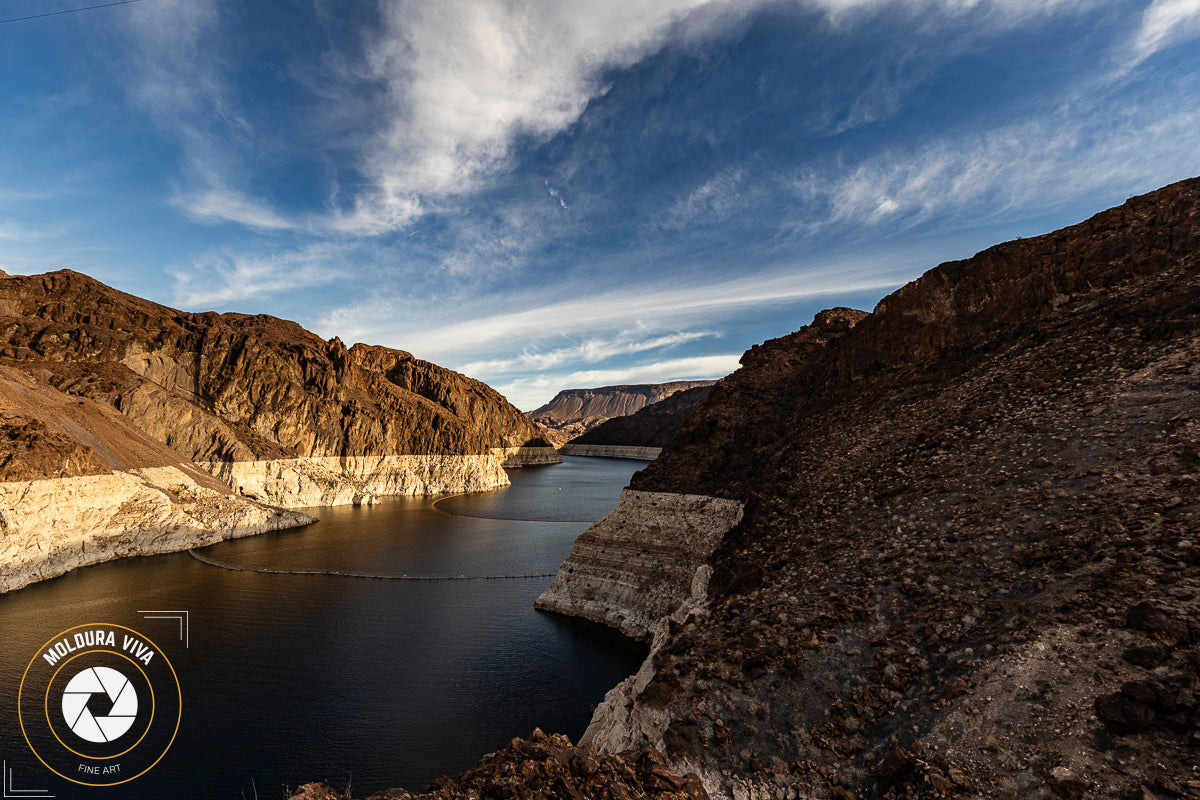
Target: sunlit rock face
249 415
573 412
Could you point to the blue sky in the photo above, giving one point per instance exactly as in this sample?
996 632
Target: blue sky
558 193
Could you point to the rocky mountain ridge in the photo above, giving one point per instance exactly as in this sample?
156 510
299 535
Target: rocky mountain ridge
648 427
953 514
966 562
575 411
255 410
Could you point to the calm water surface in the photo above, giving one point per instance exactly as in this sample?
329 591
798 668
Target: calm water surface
290 679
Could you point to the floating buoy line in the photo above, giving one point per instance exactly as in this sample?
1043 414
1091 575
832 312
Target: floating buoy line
367 576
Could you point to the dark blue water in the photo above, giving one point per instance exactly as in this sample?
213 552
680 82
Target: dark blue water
289 679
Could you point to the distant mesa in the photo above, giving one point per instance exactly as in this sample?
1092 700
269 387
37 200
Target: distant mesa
574 412
127 425
642 434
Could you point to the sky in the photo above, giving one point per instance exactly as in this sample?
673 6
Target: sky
551 194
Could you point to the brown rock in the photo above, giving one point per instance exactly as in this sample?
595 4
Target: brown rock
1066 784
1149 655
574 412
1121 713
1144 616
219 387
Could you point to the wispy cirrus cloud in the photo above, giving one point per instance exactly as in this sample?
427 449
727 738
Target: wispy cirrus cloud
454 87
223 205
1019 168
528 393
465 80
660 307
712 201
174 68
1165 22
220 278
591 350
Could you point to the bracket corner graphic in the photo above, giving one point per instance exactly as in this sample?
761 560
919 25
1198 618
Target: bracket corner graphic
10 791
185 633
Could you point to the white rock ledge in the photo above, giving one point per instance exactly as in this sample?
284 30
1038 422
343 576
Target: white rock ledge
636 565
611 451
52 526
339 481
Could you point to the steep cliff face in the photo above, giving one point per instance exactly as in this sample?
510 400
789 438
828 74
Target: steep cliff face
80 484
222 388
967 561
247 413
575 411
636 565
717 449
650 426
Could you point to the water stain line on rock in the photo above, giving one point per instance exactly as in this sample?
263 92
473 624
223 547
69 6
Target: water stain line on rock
339 574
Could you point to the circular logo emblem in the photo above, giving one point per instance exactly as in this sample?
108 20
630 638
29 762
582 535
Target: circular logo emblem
99 704
100 682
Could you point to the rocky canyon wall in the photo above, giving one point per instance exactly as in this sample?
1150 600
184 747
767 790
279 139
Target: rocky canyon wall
253 414
966 561
636 565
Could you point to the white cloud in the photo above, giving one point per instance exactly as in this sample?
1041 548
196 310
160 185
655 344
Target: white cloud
591 350
1021 168
464 79
712 201
1163 23
651 307
529 393
220 278
223 205
461 82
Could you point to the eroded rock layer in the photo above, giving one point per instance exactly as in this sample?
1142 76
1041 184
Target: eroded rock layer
575 411
968 563
610 451
636 565
649 427
101 391
54 525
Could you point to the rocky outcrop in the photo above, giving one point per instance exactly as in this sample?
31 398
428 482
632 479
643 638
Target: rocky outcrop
234 387
610 451
621 720
575 411
649 427
97 383
541 766
530 456
717 449
636 565
53 525
967 562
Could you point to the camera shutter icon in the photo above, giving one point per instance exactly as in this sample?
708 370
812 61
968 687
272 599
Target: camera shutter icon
77 705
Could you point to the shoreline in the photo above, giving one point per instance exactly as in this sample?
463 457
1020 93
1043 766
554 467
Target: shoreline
634 453
52 526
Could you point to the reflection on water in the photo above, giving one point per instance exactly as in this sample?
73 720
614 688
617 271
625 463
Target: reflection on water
292 678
